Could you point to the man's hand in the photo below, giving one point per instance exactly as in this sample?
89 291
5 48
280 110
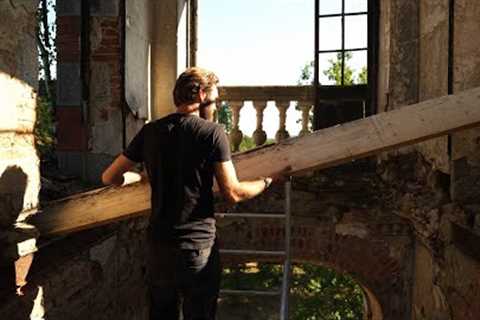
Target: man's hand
282 175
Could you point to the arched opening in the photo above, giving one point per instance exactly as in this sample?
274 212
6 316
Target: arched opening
316 292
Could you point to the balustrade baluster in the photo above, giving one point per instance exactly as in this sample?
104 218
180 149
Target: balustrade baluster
259 135
305 106
282 132
236 134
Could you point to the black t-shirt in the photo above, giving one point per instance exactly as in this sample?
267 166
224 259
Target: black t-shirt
179 152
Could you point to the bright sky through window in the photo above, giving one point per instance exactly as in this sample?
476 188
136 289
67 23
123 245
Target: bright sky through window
267 42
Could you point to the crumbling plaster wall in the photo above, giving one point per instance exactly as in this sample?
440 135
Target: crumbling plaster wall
443 191
433 70
19 164
96 274
466 75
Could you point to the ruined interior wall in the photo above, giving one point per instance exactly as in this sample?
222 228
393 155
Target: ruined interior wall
105 86
96 274
138 42
339 221
433 70
19 164
71 126
398 58
466 75
434 191
91 133
447 276
398 54
442 288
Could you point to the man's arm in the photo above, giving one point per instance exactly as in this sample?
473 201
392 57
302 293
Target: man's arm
117 173
234 190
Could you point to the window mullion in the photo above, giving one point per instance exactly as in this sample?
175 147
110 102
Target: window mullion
343 44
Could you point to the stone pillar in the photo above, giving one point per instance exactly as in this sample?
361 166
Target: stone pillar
71 129
259 135
90 128
105 100
398 78
282 132
465 187
167 14
305 107
433 71
236 135
398 54
19 164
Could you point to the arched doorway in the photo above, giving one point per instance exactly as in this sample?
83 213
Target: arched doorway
316 292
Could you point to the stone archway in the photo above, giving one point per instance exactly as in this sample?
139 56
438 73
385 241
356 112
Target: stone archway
379 257
374 308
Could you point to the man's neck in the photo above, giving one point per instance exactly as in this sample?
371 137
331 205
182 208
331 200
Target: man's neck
191 109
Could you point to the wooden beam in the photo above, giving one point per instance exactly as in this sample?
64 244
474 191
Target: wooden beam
321 149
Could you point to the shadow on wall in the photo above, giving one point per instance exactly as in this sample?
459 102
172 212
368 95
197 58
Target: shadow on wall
14 269
13 183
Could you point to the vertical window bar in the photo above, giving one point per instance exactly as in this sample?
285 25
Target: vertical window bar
343 43
317 45
316 80
188 35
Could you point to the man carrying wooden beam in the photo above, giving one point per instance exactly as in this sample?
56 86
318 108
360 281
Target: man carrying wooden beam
182 152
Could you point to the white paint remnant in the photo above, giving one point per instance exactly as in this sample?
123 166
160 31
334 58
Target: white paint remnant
352 229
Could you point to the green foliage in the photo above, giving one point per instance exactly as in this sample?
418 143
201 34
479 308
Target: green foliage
316 292
334 72
306 75
248 143
363 76
224 116
321 293
44 127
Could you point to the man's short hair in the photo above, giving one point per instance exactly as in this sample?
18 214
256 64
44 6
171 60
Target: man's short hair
190 82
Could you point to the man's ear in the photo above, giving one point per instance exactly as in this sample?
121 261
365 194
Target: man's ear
202 95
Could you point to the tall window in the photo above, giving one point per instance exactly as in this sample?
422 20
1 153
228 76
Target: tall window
345 46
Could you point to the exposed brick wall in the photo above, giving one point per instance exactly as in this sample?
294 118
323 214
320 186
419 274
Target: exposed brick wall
90 136
68 38
339 222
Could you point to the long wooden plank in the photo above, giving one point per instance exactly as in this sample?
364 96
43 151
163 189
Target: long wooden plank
321 149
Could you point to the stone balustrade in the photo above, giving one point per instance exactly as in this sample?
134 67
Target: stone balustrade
282 96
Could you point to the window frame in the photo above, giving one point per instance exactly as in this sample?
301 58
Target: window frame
356 92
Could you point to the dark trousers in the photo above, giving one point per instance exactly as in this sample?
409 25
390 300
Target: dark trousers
186 280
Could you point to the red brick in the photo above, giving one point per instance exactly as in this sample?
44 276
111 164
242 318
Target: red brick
71 132
68 39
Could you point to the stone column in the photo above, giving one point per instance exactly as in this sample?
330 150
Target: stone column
282 132
305 107
465 157
236 134
19 164
398 54
166 17
71 128
259 135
